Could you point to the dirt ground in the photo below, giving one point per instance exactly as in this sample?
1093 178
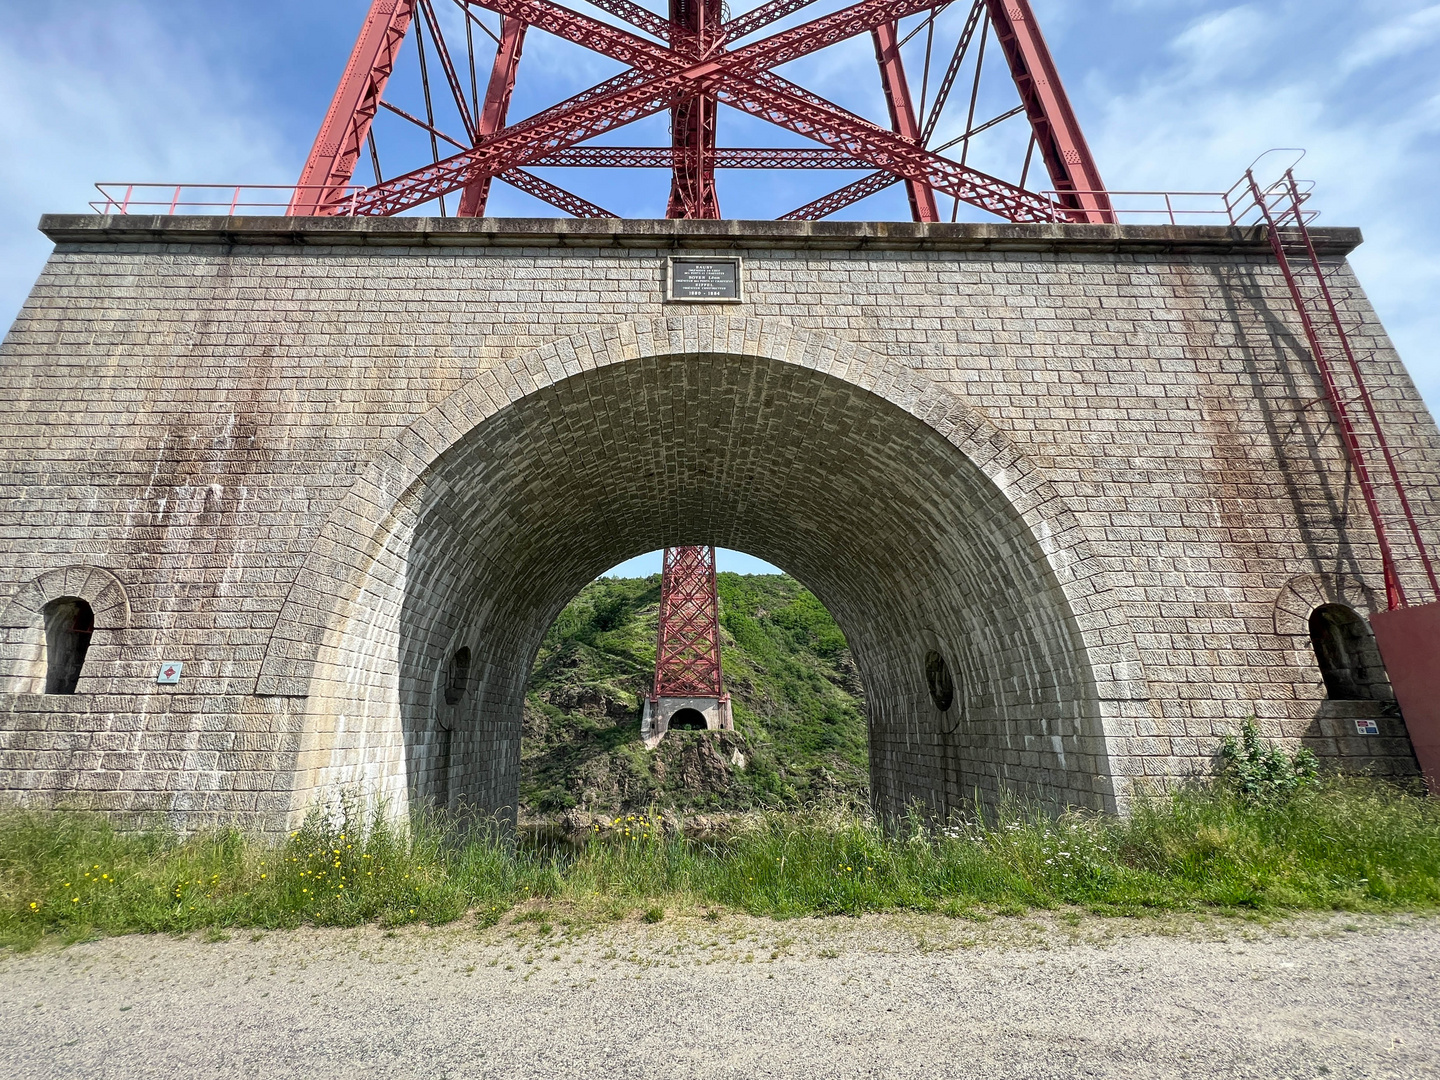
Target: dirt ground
884 996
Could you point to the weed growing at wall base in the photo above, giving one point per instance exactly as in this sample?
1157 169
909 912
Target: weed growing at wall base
1338 845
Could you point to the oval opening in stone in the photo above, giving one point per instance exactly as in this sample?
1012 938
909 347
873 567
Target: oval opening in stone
937 678
459 680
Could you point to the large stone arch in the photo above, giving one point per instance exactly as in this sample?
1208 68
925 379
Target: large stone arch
363 633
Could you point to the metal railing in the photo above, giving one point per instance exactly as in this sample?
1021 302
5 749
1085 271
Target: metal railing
221 200
229 200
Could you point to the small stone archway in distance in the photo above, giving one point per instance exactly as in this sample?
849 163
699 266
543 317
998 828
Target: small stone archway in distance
900 534
687 720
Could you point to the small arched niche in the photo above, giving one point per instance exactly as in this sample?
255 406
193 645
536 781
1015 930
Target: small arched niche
688 720
457 680
1346 654
69 626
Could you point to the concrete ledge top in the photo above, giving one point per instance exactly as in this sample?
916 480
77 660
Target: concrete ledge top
661 234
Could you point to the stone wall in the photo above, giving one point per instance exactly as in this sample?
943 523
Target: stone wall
312 459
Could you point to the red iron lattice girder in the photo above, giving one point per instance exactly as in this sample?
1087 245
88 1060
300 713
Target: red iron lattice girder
902 111
687 657
497 106
690 69
1057 132
693 119
347 123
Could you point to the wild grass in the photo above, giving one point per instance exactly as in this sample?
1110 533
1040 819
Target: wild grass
1346 845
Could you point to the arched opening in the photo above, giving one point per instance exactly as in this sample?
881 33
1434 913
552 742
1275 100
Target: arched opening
1345 650
458 680
799 735
687 720
69 626
900 534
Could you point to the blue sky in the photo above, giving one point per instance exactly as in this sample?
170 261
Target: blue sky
1173 95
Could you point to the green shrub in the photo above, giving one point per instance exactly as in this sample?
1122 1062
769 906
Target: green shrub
1262 772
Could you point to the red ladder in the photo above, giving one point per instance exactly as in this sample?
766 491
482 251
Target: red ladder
1281 209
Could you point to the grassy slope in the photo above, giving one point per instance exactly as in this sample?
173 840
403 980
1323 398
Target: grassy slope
799 716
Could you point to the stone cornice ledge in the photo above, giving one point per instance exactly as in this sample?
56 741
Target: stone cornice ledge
661 234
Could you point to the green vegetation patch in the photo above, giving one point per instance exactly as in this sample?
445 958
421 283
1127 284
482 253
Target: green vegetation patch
1334 844
800 731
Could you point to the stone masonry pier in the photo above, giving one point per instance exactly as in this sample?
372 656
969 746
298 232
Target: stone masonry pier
315 459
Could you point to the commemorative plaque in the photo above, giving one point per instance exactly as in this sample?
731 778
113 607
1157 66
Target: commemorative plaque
704 281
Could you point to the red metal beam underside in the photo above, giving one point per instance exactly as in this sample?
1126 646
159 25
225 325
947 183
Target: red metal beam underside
332 159
687 655
1062 144
902 112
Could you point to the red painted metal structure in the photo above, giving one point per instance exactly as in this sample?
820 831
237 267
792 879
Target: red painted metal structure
689 64
1408 636
687 657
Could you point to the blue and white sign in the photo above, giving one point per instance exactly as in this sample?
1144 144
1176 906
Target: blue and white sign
169 673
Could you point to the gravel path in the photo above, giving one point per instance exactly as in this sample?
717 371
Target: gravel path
877 997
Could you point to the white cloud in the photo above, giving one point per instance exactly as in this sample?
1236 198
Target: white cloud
1225 41
109 94
1397 37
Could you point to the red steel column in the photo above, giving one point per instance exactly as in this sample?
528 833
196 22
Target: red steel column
687 656
496 107
902 112
337 147
1057 133
692 119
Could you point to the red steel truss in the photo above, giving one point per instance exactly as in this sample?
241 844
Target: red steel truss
687 657
689 62
1281 209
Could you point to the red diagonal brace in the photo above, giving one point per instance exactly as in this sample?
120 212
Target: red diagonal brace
762 16
837 200
827 123
496 106
1057 133
902 111
601 37
337 147
557 197
636 16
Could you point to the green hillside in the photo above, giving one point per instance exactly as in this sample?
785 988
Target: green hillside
799 712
